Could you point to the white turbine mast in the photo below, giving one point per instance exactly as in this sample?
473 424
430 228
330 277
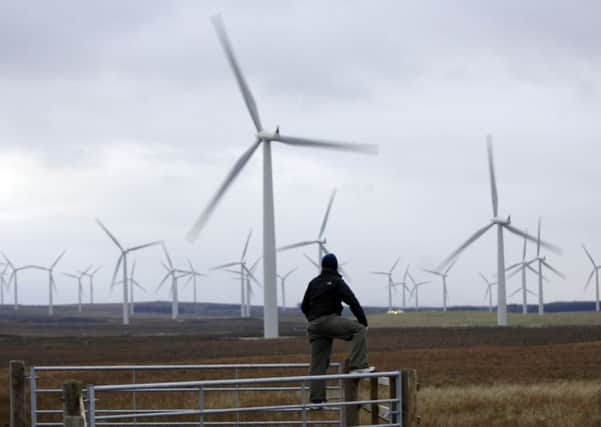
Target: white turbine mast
390 284
501 225
51 282
265 138
542 262
594 272
14 278
283 285
443 276
320 241
488 292
415 290
521 267
123 260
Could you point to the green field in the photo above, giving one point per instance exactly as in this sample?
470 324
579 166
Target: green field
481 318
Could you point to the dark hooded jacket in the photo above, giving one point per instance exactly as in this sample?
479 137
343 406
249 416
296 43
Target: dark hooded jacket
325 295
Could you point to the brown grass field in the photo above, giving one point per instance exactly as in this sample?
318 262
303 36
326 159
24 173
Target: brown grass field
469 375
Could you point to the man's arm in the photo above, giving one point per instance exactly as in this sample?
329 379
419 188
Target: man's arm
305 306
349 298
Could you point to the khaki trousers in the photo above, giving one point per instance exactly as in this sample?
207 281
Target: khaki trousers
321 333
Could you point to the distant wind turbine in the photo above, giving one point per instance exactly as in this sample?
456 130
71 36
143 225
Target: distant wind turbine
51 281
265 138
488 292
501 224
122 260
320 241
13 277
79 278
522 266
404 287
388 275
192 278
594 272
175 275
415 290
283 285
443 276
3 282
90 277
542 261
133 283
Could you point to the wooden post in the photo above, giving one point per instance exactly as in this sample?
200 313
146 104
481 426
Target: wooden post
409 390
72 410
16 372
373 395
351 389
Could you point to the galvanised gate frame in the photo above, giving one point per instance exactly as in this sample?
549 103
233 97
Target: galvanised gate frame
37 371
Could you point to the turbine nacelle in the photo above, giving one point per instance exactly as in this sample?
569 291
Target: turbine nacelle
264 135
501 221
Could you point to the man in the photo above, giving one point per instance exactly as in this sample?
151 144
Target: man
322 307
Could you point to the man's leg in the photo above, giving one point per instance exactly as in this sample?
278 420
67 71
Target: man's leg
349 329
321 348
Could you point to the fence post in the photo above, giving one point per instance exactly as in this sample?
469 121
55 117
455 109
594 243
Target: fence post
373 395
72 410
409 390
16 372
351 388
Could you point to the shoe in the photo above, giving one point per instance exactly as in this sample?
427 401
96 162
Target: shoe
363 370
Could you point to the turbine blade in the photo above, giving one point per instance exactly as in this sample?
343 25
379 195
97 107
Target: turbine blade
246 94
395 264
246 245
166 252
318 143
485 279
381 273
589 255
588 281
119 261
345 273
233 173
58 259
133 270
146 245
493 180
297 245
222 266
538 240
108 233
513 273
515 292
524 249
437 273
256 263
289 273
162 282
311 261
530 292
450 266
519 232
461 248
512 266
529 267
326 216
559 273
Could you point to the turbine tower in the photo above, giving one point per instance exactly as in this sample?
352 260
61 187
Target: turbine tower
193 274
264 138
283 285
443 276
132 283
595 272
90 277
404 287
123 260
488 292
175 275
51 282
14 278
415 290
320 241
501 225
79 277
542 261
388 274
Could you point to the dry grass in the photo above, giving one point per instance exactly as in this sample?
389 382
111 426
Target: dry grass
560 404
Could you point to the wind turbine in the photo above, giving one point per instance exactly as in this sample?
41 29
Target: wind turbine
595 272
283 285
415 290
320 241
123 260
443 276
90 277
404 287
132 283
3 282
193 274
13 277
521 266
265 138
488 292
243 270
175 275
542 261
501 224
388 274
79 277
51 281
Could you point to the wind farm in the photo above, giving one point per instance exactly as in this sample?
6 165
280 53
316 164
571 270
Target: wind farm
452 175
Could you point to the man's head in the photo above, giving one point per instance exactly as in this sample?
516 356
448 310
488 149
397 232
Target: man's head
329 261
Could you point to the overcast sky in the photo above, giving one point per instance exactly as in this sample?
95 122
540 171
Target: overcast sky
127 111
